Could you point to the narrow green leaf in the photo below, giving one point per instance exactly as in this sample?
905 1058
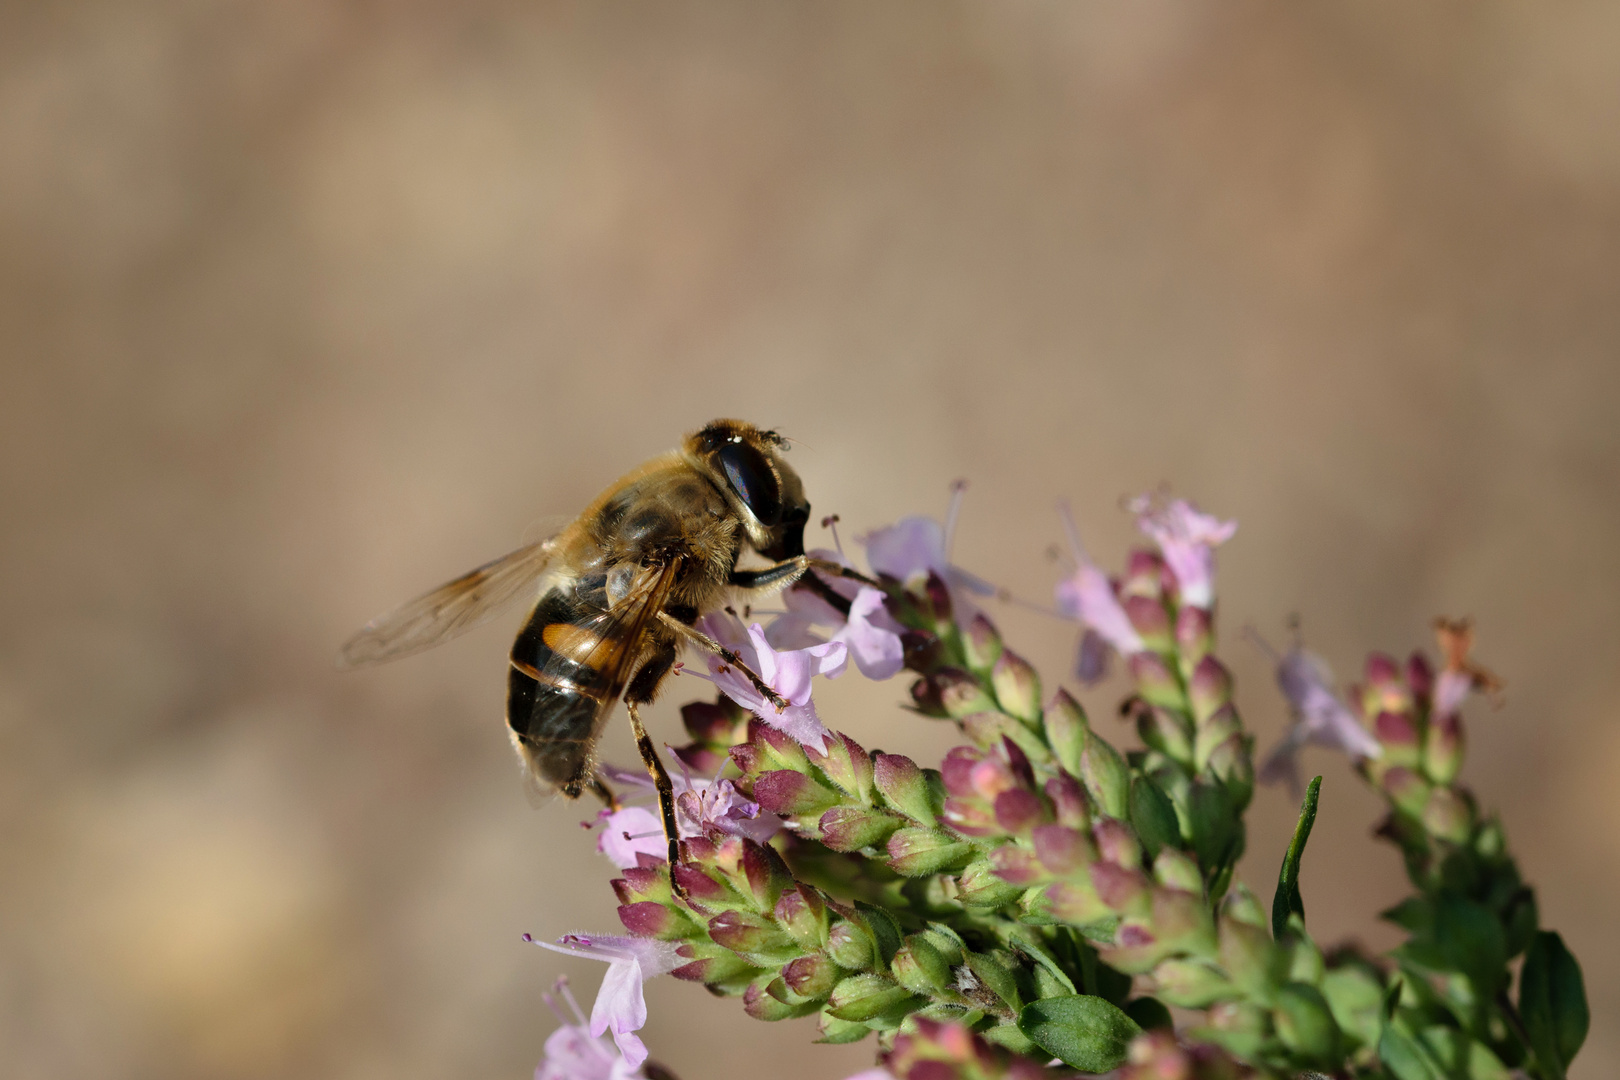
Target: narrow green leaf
1405 1057
1086 1032
1552 1003
1287 900
1153 816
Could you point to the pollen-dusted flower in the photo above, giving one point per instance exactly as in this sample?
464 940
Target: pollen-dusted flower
787 672
1188 539
573 1053
621 1006
1088 596
1319 716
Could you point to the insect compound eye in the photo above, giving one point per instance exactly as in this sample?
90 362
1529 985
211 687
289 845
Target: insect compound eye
750 476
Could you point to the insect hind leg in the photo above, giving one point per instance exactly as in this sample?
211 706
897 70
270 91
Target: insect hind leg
643 688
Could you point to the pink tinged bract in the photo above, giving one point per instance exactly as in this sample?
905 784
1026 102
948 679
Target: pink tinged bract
1187 537
621 1006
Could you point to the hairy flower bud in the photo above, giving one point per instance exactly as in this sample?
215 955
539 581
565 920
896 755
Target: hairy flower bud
1241 904
1443 748
1209 688
1105 776
812 976
1190 983
918 852
866 996
1195 635
1068 801
803 914
1150 620
766 999
921 968
981 886
1017 687
1066 728
1165 732
1398 734
851 947
751 937
905 786
1117 843
1249 956
1075 902
1157 684
791 794
850 828
981 644
846 764
960 693
1447 816
1176 870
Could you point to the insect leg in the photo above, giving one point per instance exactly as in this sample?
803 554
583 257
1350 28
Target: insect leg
707 643
791 569
666 793
599 788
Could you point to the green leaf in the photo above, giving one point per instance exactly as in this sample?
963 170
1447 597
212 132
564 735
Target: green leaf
1552 1003
1153 816
1463 937
1287 900
1149 1013
1085 1032
1460 1057
1405 1057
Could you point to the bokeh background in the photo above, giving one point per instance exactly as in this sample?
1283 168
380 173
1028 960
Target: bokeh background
306 306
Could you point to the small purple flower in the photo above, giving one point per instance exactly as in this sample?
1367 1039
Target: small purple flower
573 1053
1188 539
1088 595
621 1006
1319 716
913 547
630 831
701 806
787 672
718 805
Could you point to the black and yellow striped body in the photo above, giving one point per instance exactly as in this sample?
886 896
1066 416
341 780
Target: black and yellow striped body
556 688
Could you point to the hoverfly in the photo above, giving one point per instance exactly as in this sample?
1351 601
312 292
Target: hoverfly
621 589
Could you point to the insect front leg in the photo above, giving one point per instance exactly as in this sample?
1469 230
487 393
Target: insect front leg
797 570
708 644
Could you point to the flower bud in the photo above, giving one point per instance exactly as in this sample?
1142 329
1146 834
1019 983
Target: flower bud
850 828
1195 634
1301 956
981 886
713 965
1145 574
709 723
1017 687
764 875
1209 688
905 786
1066 730
791 794
1305 1024
981 644
1063 850
926 699
1213 730
1136 948
851 947
812 976
699 885
846 764
1165 732
938 595
1182 920
1150 620
654 920
1103 772
1176 870
1398 734
866 996
1245 907
835 1031
1249 956
803 914
748 936
1068 801
1124 891
1191 984
1406 789
765 1000
918 852
960 693
971 817
1157 684
1443 748
1117 843
1074 902
1018 811
1152 816
1232 763
1016 865
921 968
1447 816
920 650
989 729
1240 1026
643 883
779 749
1420 677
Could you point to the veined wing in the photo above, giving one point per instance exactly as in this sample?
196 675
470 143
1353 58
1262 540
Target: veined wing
449 610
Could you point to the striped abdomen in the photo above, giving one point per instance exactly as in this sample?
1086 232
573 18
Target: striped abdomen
565 675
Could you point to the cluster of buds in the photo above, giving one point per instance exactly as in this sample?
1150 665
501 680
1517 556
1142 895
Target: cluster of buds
935 1050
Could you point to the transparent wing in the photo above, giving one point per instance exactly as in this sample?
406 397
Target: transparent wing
610 642
449 610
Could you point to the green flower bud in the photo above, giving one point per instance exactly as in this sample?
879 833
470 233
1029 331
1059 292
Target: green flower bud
981 887
1406 789
1105 776
1066 727
846 764
987 729
907 788
1213 730
1074 902
981 644
1174 869
1447 816
835 1031
715 967
1240 1027
812 976
1305 1024
765 999
850 828
763 875
1195 635
1443 748
1250 957
802 913
960 693
1182 920
922 968
1155 681
1165 732
996 974
756 940
1209 688
1232 762
918 852
866 996
1190 983
1018 687
791 794
1397 731
1245 907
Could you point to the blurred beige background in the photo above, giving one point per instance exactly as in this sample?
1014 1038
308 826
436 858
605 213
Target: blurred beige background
308 306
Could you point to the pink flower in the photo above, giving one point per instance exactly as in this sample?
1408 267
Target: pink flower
1319 716
701 806
872 636
1088 595
573 1053
1188 539
787 672
621 1006
913 547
